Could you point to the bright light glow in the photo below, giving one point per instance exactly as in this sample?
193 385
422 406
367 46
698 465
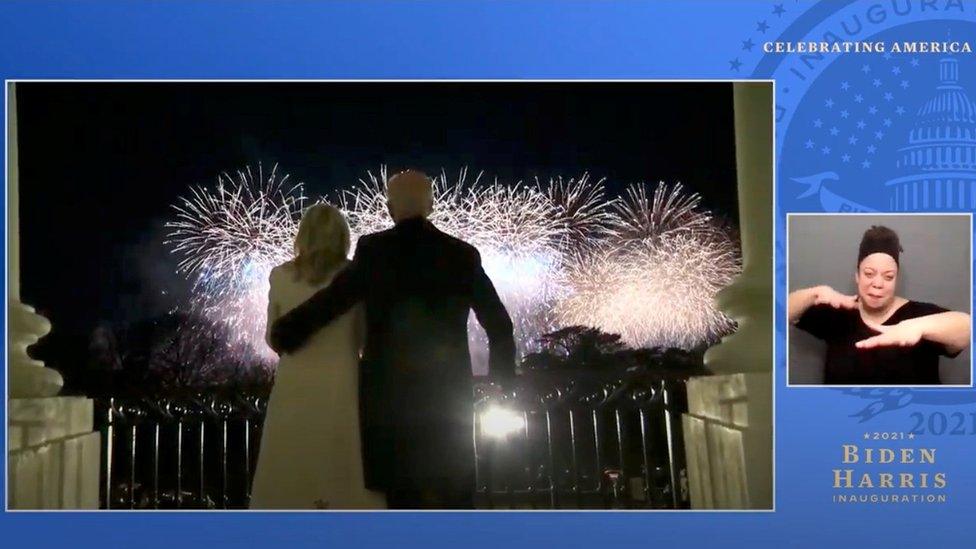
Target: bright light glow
499 422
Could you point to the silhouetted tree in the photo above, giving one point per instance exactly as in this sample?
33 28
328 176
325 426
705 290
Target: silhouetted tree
574 347
171 353
585 349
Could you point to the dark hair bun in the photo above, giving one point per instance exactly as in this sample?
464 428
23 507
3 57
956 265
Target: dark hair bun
879 239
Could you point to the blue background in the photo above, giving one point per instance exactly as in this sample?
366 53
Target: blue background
572 40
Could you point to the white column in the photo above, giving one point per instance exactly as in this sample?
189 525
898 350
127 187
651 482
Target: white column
53 455
728 427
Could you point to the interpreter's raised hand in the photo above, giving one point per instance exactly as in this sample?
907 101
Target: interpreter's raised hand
829 296
906 333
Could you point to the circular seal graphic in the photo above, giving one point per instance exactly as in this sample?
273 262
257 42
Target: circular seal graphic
888 128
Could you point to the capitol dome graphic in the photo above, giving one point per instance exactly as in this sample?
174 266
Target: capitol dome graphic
937 169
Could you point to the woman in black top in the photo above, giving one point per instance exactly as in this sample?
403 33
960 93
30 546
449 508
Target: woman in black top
877 337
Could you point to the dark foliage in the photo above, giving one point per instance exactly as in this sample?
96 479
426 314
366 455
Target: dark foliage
588 350
171 354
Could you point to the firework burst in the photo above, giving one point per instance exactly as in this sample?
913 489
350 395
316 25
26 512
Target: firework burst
230 238
640 216
581 207
653 281
559 253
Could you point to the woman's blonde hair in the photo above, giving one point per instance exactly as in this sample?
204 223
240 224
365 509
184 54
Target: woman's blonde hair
322 244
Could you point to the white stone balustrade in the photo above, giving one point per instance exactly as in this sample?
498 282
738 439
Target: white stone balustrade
728 428
52 453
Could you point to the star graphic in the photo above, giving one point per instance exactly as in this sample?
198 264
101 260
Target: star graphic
845 86
900 110
829 103
861 124
887 55
914 61
876 82
866 436
866 164
778 10
825 150
844 114
865 68
761 26
834 130
852 140
858 98
735 64
809 144
873 110
846 158
871 149
887 122
748 44
911 435
817 123
878 134
896 70
904 84
888 96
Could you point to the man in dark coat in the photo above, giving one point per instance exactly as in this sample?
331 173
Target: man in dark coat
418 285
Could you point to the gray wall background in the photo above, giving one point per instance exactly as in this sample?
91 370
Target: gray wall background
934 267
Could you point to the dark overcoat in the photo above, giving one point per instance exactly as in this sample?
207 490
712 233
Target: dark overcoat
418 285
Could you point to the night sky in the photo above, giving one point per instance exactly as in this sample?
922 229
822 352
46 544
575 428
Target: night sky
100 164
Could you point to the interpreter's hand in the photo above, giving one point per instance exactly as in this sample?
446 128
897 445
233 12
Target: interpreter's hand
906 333
829 296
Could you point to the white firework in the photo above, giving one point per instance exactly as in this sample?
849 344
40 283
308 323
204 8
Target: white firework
640 216
582 208
230 237
654 281
560 253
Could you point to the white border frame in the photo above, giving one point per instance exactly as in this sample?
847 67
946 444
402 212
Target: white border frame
772 268
789 326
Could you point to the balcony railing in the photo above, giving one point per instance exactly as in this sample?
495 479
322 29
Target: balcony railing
195 452
579 445
548 444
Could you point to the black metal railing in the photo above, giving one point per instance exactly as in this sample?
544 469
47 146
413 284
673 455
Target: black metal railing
567 444
195 452
597 444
